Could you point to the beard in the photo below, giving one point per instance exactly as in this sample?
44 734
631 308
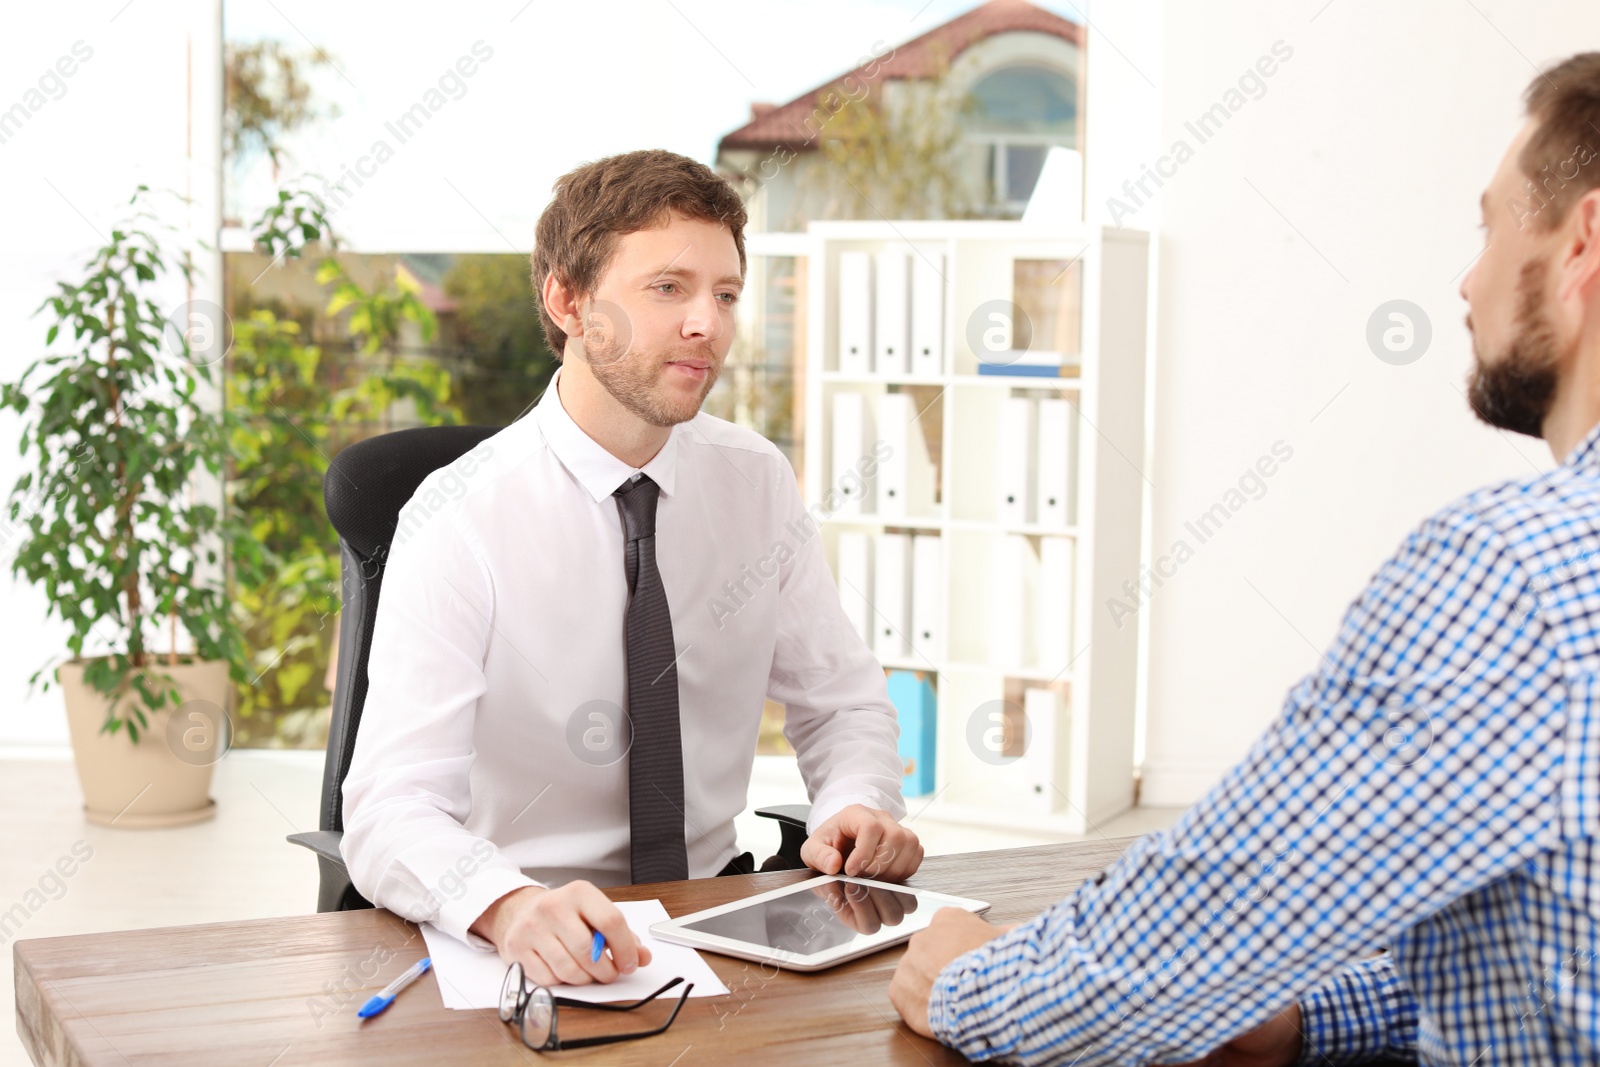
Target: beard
634 378
1515 391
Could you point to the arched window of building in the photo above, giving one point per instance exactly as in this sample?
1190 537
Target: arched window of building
1018 113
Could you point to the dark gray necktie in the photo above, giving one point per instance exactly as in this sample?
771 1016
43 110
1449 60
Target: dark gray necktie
655 758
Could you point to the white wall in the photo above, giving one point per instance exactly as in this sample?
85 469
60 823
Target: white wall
1352 181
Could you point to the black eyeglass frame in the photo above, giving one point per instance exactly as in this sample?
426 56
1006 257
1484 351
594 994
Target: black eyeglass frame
553 1042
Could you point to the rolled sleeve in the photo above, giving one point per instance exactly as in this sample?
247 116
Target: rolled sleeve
960 981
1364 1014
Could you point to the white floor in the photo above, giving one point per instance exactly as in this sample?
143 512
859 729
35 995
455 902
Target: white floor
238 866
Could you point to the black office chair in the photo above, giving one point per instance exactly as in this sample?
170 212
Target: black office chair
366 486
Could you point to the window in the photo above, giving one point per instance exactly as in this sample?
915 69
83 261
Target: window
1013 171
1027 99
1018 113
759 387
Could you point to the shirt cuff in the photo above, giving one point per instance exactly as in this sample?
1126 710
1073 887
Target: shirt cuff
826 807
1363 1013
486 886
961 981
942 1001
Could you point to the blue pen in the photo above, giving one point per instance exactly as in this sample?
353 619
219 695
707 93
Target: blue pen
599 945
382 1000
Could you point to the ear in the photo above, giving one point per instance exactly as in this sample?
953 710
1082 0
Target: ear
1580 260
563 306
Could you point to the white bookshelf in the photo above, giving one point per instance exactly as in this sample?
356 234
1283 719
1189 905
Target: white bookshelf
1091 758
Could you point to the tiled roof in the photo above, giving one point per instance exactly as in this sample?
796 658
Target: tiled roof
785 124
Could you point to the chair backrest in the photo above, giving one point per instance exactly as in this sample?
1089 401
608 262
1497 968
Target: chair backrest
366 486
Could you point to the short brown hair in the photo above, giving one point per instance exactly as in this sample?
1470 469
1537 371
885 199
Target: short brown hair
1562 158
599 202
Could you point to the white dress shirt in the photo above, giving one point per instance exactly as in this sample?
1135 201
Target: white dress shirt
500 622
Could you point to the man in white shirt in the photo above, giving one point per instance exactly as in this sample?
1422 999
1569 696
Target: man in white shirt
614 549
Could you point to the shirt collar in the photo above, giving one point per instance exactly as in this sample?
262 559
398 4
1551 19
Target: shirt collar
597 470
1587 455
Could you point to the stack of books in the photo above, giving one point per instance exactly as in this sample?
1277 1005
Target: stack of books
1027 363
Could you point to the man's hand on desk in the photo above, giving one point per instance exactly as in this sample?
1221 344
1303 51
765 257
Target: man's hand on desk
865 843
549 931
952 933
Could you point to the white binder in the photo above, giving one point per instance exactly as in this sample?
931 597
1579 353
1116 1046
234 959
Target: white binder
927 604
1055 461
1040 760
854 576
1015 574
892 299
905 475
927 314
850 446
1015 476
855 313
1053 600
890 603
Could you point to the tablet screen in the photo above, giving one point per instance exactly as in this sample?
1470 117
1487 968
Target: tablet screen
817 918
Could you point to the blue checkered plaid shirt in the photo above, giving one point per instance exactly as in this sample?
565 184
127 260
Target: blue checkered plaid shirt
1410 851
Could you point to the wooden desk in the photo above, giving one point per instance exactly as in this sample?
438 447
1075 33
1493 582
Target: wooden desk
268 991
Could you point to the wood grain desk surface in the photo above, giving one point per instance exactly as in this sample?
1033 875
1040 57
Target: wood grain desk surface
284 992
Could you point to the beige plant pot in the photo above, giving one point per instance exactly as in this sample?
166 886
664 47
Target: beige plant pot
165 779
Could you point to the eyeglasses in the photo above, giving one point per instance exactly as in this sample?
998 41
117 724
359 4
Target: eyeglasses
533 1009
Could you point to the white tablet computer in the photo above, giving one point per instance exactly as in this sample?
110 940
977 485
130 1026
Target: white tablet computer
813 924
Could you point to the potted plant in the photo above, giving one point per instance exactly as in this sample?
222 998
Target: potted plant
120 423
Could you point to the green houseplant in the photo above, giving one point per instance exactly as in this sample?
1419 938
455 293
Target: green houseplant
118 430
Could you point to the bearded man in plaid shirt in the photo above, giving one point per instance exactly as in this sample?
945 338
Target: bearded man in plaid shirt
1406 867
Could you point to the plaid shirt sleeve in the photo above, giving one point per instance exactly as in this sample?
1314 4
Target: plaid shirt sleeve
1413 767
1365 1014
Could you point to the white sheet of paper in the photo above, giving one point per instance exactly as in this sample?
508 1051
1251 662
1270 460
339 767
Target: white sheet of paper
471 979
